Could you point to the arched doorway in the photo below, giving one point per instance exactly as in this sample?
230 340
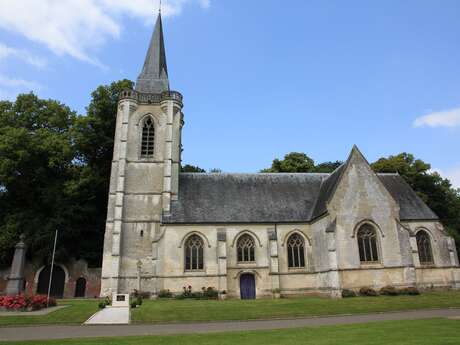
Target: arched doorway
57 285
247 286
80 287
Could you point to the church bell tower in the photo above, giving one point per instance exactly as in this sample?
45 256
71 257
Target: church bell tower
145 173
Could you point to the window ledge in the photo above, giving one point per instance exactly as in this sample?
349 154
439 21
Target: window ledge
371 265
250 263
297 269
192 272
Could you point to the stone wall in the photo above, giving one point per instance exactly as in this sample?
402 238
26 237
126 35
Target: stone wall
73 270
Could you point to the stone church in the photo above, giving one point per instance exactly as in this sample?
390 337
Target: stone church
255 235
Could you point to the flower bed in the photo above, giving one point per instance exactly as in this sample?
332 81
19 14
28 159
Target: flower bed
25 303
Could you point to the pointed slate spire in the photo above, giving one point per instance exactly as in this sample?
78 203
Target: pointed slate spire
154 75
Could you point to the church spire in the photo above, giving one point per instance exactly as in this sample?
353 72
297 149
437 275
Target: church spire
154 75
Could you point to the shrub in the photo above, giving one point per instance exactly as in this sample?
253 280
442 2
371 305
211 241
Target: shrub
348 293
141 294
102 305
389 291
139 300
107 301
411 290
206 293
21 302
38 302
133 304
165 294
211 293
367 291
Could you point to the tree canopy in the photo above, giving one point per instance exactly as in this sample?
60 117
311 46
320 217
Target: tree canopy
54 174
297 162
187 168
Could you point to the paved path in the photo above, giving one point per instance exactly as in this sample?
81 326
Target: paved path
110 316
61 332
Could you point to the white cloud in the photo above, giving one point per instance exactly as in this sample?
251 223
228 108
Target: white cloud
24 55
21 83
11 87
76 27
447 118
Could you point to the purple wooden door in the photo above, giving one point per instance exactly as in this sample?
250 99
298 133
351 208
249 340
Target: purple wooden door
247 286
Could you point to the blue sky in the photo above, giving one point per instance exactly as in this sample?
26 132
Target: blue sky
260 78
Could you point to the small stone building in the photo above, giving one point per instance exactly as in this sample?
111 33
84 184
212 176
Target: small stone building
71 279
255 235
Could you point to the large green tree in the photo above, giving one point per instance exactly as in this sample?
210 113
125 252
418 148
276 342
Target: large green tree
298 162
55 173
36 159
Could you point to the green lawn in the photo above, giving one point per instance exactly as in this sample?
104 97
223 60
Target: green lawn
412 332
77 311
191 310
157 311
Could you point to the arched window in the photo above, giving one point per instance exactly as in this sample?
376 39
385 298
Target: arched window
194 253
245 248
424 248
367 243
148 138
296 251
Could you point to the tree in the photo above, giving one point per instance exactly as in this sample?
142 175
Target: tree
192 169
36 157
293 162
327 167
297 162
55 174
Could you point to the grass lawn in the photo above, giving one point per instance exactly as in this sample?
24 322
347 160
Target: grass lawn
192 310
156 311
77 311
411 332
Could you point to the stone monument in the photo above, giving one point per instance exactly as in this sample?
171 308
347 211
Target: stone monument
15 284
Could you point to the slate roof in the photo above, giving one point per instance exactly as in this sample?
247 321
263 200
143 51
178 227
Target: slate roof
411 206
273 198
245 198
154 75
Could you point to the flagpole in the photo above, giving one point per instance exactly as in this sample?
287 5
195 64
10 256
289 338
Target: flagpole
51 273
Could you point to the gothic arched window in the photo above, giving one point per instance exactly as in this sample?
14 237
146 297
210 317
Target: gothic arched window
296 251
367 243
194 253
148 138
245 248
424 248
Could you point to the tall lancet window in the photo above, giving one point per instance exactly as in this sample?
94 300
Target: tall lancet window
148 138
424 248
245 248
367 243
296 251
194 253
